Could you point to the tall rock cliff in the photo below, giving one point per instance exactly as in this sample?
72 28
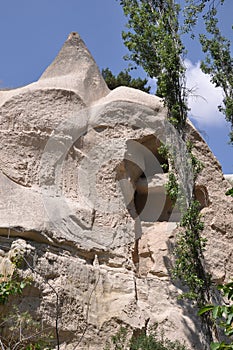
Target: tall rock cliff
83 204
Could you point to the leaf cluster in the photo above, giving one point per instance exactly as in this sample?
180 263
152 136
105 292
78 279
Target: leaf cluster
189 253
12 285
124 79
196 164
23 333
143 341
172 187
192 11
230 192
222 315
189 243
218 62
154 43
164 152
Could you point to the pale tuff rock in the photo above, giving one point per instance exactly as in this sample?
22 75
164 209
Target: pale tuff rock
75 66
83 201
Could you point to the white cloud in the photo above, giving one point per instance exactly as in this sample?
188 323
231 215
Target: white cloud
205 98
152 82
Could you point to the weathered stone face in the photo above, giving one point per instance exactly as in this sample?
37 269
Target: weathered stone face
83 201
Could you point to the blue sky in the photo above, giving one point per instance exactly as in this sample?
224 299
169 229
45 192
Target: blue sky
32 32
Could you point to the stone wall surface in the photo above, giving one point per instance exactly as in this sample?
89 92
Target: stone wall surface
83 202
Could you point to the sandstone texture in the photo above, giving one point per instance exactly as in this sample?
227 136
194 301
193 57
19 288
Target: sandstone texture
83 202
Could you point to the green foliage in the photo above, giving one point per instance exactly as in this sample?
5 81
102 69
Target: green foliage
12 284
230 192
172 187
189 253
118 341
222 315
218 61
196 164
163 151
124 79
25 333
154 43
193 9
189 243
150 341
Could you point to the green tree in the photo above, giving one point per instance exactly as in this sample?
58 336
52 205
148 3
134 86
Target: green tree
154 40
218 61
124 79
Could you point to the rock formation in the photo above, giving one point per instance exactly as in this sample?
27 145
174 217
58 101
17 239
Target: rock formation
83 203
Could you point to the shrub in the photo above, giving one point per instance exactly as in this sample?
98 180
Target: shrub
122 340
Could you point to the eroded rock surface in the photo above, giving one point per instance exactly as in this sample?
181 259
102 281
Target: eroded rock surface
83 201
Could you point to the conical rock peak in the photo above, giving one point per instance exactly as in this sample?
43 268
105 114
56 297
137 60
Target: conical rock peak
75 64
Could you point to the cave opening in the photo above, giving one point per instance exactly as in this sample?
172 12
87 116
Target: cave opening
146 196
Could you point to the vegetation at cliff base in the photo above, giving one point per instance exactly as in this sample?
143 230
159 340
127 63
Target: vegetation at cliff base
150 340
18 330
